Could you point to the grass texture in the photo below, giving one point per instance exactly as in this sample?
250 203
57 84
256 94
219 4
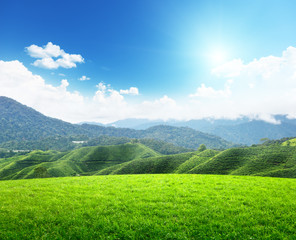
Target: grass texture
163 206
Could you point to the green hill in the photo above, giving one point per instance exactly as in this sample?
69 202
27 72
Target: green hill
161 164
136 158
262 161
290 142
277 161
83 161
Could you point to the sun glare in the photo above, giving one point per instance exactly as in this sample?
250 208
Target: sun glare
217 56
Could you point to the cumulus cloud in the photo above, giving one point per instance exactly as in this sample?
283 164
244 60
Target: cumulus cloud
47 51
17 82
84 78
131 91
209 92
106 105
52 57
260 89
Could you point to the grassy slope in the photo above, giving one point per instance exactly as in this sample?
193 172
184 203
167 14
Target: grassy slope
273 160
161 164
19 167
265 161
291 142
178 163
148 207
276 161
81 161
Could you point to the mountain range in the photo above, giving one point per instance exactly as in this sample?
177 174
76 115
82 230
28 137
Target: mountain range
241 131
21 123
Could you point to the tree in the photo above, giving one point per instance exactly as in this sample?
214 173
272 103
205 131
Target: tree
201 148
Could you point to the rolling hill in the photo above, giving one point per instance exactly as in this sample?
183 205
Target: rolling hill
275 161
136 158
82 161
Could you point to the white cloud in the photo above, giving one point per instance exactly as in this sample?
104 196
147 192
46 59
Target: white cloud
164 108
69 60
209 92
46 63
52 57
131 91
106 105
84 78
258 89
17 82
48 51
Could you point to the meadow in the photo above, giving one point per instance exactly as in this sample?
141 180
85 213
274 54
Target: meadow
163 206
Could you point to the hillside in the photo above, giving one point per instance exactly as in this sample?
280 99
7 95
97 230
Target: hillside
65 143
290 142
185 137
180 136
136 158
21 123
275 161
83 161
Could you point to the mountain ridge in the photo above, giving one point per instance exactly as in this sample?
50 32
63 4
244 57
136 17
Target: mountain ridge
243 130
19 122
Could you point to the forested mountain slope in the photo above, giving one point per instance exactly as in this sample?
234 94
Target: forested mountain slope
19 122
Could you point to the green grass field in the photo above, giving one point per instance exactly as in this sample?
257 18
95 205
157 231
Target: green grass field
171 206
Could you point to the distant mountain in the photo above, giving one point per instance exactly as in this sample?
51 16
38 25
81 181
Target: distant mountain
186 137
21 123
66 143
138 124
242 130
204 125
251 132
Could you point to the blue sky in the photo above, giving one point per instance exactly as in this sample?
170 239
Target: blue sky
173 52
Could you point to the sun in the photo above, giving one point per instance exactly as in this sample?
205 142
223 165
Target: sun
217 56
